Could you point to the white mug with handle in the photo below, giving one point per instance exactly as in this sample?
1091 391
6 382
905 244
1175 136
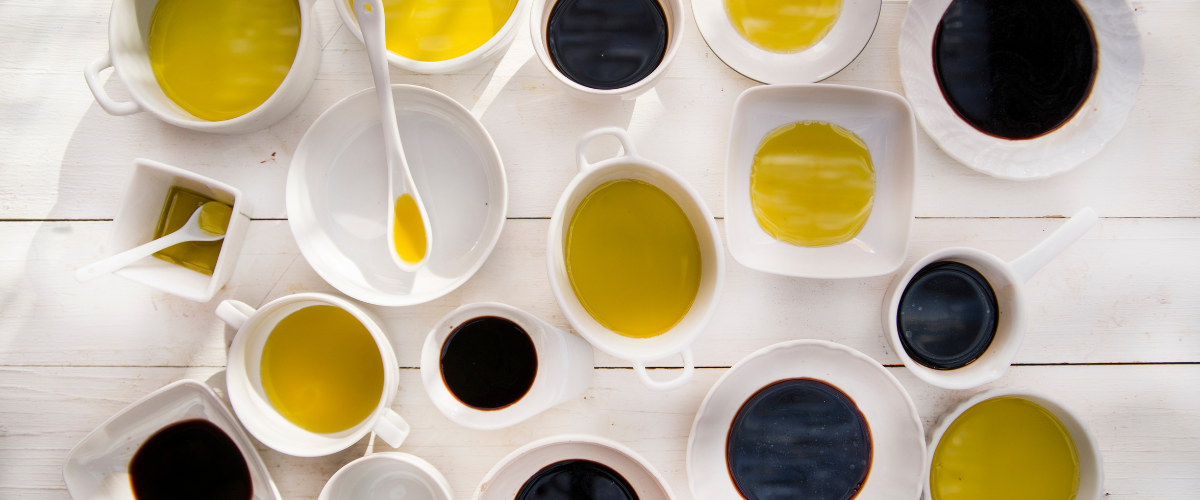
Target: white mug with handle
250 402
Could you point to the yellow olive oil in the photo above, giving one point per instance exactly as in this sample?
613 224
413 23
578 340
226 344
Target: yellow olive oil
812 184
633 258
219 59
409 230
783 26
199 256
321 369
1005 448
437 30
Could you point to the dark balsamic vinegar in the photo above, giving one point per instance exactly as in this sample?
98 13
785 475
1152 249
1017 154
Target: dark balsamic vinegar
947 316
799 438
576 480
488 363
190 460
607 44
1015 69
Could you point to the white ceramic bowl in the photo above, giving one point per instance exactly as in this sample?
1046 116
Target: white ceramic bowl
843 43
504 481
387 476
492 49
678 339
337 195
98 467
897 436
128 29
1101 116
1091 464
883 120
540 18
138 214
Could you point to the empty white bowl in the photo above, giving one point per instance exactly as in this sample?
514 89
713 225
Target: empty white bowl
98 467
387 476
337 195
141 207
883 120
1118 77
843 43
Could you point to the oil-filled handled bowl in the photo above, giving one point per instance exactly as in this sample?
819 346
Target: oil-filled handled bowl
676 340
128 35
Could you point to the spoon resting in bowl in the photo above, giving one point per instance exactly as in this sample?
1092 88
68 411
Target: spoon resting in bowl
409 234
207 223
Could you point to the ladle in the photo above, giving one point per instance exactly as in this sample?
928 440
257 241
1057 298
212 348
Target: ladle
369 14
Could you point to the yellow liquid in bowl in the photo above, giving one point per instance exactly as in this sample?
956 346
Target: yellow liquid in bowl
783 26
409 230
220 59
438 30
321 369
812 184
633 258
1005 448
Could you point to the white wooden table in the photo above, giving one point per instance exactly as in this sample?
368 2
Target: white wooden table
1114 330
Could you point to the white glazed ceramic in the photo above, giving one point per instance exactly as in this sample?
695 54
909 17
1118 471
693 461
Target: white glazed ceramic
883 120
539 18
387 476
679 338
128 29
897 435
250 401
1102 115
1091 465
505 479
843 43
138 214
491 50
1007 281
98 467
564 368
337 195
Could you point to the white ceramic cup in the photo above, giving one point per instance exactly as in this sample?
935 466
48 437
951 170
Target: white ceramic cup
388 475
128 32
679 338
250 401
1091 465
1007 280
564 368
539 20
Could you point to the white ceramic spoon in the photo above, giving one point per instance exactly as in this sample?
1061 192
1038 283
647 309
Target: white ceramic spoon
369 14
190 231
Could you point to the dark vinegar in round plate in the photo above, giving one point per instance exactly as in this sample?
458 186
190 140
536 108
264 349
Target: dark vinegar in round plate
577 480
607 44
488 363
947 316
1015 69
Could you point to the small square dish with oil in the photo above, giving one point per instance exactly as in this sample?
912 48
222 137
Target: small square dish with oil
819 180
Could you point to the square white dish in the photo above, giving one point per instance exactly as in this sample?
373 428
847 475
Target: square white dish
98 467
883 120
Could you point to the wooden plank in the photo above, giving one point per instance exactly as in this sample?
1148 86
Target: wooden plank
64 158
1146 419
1125 293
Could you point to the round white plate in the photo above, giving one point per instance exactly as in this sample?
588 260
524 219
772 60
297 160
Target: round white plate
897 436
337 195
1118 78
837 50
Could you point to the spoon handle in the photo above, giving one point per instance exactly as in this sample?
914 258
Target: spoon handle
371 22
97 269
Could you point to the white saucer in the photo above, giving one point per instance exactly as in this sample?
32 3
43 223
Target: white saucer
897 436
1101 117
98 467
843 43
337 190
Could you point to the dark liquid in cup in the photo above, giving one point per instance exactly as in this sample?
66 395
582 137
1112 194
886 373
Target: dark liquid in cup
190 460
488 363
607 44
799 438
1015 69
576 480
947 316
